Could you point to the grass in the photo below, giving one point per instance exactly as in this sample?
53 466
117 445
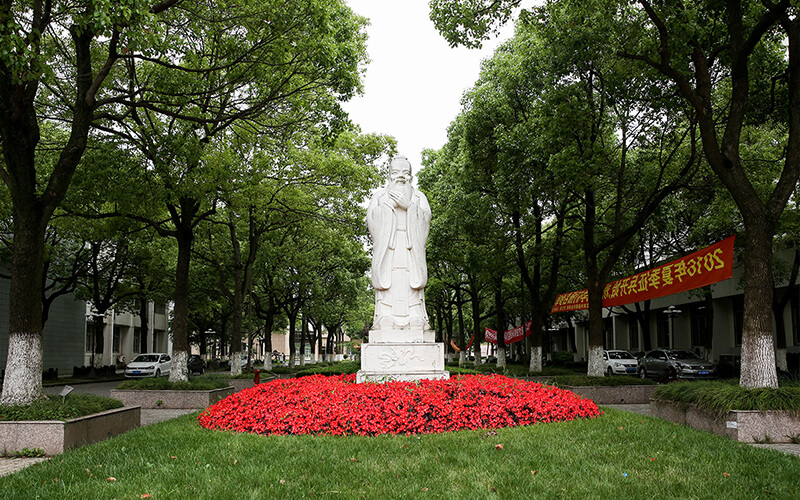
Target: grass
721 396
54 407
618 455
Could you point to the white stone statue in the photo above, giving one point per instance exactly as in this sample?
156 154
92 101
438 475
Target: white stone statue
399 219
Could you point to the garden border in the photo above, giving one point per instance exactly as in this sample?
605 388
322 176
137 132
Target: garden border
746 426
171 399
57 436
615 394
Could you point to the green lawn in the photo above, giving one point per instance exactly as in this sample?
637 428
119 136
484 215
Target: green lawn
618 455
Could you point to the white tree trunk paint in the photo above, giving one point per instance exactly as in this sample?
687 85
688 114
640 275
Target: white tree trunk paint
23 380
758 365
180 367
236 363
596 368
536 360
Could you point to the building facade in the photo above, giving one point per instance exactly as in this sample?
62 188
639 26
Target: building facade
712 327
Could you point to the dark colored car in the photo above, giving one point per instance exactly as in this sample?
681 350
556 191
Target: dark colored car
674 364
196 364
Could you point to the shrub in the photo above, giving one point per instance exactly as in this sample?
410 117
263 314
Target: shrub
332 368
562 357
55 407
202 383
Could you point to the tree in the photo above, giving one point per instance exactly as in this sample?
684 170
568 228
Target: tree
54 52
239 75
722 58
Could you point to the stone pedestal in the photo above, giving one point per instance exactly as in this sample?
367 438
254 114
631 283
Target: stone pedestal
406 355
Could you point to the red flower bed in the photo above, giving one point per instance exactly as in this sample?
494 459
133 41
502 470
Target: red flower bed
338 406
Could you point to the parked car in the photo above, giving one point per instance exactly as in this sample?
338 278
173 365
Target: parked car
196 364
152 364
674 364
619 362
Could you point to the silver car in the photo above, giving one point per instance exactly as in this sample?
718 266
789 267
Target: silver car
152 364
674 364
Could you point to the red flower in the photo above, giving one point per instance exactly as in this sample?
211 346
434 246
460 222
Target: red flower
338 406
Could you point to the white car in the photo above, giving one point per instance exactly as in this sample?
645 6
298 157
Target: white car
153 364
619 362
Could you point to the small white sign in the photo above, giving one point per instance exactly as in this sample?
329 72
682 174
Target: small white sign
731 424
66 390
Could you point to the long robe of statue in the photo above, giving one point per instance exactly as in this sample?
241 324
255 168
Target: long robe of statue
399 219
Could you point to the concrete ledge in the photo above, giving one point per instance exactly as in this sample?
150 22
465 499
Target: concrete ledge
746 426
380 377
171 399
56 436
612 395
245 383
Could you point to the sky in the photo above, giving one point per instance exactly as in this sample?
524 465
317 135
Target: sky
414 82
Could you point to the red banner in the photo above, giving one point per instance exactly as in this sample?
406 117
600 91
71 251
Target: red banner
457 349
510 336
703 267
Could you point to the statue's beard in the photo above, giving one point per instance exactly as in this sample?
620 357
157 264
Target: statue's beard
403 188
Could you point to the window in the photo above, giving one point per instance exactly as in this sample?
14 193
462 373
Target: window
700 319
116 340
159 308
137 340
89 336
633 333
662 329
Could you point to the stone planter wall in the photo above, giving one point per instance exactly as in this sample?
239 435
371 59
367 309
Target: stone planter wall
245 383
613 395
746 426
171 399
56 436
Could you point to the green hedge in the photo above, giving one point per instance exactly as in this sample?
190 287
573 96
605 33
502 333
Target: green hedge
331 368
721 396
201 383
55 407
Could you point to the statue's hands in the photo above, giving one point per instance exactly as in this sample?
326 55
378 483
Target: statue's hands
399 200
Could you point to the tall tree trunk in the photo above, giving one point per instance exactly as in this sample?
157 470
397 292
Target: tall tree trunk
23 379
184 234
476 321
461 340
758 352
292 336
303 333
501 322
237 313
594 285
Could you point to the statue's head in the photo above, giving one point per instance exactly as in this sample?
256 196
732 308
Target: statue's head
400 170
